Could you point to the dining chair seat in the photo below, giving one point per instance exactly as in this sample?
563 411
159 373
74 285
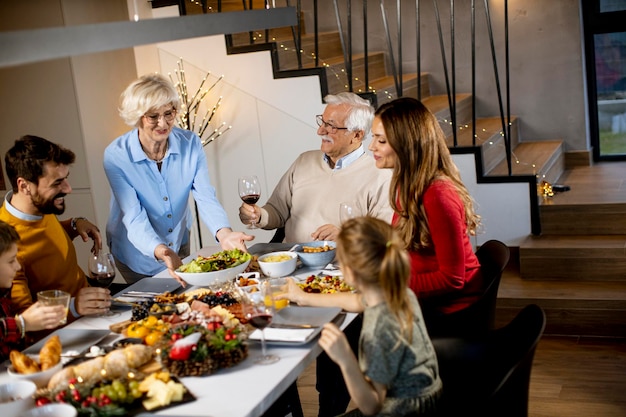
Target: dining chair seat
479 317
489 375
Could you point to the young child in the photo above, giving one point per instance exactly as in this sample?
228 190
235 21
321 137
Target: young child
37 317
396 373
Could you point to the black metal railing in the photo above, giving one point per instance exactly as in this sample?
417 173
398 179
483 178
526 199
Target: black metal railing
390 14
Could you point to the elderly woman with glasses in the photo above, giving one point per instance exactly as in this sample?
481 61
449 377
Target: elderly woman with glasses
151 170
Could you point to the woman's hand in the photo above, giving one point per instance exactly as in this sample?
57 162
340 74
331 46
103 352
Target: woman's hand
294 292
92 300
39 317
231 240
171 260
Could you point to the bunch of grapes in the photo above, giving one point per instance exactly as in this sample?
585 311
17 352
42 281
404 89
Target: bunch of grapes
141 310
218 298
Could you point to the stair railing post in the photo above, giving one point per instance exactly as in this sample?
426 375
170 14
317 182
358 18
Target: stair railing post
507 142
473 36
316 34
418 52
392 61
349 67
399 31
453 70
507 80
444 61
365 46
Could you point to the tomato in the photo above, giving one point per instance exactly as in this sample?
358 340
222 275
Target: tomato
137 330
150 321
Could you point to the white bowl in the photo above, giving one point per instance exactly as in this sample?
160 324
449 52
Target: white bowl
317 258
278 269
16 397
39 378
206 279
51 410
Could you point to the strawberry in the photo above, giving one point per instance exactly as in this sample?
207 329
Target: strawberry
181 349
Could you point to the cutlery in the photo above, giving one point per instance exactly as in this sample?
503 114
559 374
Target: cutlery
292 326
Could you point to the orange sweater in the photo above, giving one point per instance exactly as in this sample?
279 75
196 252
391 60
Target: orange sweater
48 259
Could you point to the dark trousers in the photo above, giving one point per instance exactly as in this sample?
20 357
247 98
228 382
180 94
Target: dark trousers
333 393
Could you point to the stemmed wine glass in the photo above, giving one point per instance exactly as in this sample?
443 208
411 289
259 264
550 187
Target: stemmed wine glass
101 273
250 192
258 308
346 212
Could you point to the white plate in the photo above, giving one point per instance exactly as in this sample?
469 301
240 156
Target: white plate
296 315
72 340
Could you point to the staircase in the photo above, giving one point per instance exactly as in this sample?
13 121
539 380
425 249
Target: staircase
576 268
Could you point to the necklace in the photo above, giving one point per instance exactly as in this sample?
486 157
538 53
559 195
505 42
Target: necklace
159 160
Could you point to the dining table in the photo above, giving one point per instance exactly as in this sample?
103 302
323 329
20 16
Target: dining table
246 389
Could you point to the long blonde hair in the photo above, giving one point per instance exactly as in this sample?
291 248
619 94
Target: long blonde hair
423 156
376 256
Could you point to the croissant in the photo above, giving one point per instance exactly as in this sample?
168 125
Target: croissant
50 353
23 364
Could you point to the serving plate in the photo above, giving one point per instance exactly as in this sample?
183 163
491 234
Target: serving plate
77 340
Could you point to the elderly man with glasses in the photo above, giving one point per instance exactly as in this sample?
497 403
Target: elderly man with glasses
151 170
306 200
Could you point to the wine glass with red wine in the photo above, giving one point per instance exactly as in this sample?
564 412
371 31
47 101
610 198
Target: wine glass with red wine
250 192
101 273
257 303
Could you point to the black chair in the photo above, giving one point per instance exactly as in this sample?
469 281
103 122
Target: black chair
479 317
489 375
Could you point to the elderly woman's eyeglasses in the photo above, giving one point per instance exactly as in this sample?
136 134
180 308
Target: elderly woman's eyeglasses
153 119
329 127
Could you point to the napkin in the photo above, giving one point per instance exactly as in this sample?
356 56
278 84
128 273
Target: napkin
283 335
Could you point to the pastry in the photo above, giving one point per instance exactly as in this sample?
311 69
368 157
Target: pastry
50 353
23 364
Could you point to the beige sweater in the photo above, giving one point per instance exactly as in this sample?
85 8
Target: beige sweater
309 193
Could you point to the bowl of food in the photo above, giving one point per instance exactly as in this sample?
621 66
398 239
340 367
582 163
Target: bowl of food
39 377
278 264
216 269
16 397
318 253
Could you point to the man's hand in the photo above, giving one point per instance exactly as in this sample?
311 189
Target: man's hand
92 300
326 232
87 230
231 240
249 213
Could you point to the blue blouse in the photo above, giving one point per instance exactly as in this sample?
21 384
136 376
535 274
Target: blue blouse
150 207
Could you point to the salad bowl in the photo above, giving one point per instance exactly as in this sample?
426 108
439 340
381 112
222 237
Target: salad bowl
219 268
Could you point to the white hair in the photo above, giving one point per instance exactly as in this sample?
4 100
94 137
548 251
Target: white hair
361 113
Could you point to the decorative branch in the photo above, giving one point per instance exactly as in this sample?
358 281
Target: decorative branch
190 107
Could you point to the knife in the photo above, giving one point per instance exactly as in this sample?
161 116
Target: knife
292 326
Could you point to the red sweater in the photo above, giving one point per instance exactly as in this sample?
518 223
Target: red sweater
448 273
10 337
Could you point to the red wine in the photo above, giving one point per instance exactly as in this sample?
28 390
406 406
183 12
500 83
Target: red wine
251 198
101 280
260 321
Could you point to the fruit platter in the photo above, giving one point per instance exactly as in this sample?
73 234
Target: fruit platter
324 284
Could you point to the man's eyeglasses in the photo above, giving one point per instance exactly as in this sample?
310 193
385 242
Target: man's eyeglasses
329 127
153 119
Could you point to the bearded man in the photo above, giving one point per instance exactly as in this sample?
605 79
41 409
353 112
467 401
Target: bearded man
38 171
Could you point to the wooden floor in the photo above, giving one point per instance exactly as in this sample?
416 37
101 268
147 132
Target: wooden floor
572 376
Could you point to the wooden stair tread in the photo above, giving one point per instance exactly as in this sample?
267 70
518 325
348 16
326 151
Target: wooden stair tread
532 156
569 242
440 102
486 128
513 286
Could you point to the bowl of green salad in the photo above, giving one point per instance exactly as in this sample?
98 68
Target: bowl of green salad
218 268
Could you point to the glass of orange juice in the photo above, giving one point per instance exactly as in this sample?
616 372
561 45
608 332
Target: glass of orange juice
279 292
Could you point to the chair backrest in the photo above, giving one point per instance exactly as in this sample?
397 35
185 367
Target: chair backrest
479 317
489 375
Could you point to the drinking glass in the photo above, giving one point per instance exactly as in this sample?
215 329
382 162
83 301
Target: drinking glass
258 308
346 212
250 192
101 274
55 298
